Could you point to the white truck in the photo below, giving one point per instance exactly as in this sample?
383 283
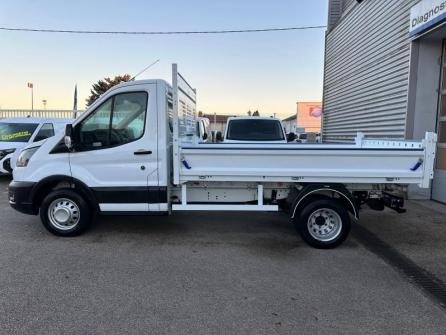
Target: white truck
132 152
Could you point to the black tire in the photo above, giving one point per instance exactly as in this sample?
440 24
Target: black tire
80 214
325 207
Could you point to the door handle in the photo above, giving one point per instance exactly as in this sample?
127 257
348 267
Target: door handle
143 152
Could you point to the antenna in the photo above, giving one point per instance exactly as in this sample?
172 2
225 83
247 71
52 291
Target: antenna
145 69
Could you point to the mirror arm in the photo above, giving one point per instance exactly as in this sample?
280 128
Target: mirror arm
68 139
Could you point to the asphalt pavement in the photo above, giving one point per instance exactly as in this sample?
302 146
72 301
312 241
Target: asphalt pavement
200 273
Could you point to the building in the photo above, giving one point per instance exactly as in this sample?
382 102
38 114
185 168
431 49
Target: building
309 116
41 113
385 74
290 124
217 121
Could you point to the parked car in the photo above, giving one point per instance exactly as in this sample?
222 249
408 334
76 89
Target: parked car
307 138
203 129
16 133
254 129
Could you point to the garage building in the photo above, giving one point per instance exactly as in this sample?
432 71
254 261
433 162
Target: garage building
385 74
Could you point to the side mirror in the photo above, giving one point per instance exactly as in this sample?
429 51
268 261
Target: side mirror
219 137
68 136
291 137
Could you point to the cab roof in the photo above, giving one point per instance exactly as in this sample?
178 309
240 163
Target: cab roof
141 82
253 118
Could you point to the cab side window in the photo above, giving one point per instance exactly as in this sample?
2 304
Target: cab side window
46 131
128 120
94 131
119 120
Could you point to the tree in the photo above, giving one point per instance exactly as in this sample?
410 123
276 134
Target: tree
104 85
256 113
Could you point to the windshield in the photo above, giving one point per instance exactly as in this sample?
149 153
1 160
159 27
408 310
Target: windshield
16 132
255 130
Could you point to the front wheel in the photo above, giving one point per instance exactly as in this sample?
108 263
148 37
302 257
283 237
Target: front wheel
323 223
65 213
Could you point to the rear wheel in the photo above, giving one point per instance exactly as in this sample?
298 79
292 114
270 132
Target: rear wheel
323 223
65 213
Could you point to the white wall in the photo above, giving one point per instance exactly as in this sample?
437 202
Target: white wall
289 126
423 93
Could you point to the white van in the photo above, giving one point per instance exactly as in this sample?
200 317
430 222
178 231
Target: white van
254 129
17 133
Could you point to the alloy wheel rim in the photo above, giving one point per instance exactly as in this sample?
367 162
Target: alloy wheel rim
64 214
324 224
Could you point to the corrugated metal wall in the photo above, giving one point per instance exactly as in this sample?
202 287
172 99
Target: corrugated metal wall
367 70
347 4
334 12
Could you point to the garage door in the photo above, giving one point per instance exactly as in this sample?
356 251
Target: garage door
439 184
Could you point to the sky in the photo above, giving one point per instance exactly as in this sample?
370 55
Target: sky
233 73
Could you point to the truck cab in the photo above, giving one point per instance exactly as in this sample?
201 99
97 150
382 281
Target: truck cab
118 155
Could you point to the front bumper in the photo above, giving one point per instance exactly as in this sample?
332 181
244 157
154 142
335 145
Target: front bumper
20 195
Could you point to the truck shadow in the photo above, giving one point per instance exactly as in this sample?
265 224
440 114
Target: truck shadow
269 232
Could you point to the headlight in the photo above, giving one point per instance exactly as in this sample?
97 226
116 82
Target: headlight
25 156
5 152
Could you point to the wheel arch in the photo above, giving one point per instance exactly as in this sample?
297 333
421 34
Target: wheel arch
48 184
321 190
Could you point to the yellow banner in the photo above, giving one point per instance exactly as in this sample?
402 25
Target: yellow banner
8 137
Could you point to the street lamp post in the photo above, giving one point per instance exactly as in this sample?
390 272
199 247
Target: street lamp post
31 86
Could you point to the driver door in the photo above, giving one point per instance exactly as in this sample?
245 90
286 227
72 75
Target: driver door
116 153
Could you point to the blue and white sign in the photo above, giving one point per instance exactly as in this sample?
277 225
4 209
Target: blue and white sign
425 15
